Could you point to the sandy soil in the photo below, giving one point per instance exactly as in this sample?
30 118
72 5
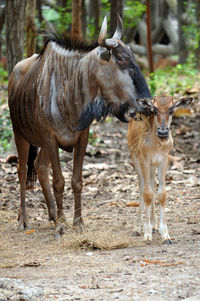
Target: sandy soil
106 262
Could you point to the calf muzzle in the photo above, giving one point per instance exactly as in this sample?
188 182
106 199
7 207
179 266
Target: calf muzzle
163 132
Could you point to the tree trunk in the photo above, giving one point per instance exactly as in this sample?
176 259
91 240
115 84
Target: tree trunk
183 51
94 15
2 21
76 18
197 50
39 11
149 45
83 18
30 27
15 16
62 3
115 8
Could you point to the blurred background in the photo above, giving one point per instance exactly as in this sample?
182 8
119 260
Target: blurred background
163 34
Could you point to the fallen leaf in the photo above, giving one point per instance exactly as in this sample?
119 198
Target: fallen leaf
174 158
30 231
118 204
160 263
132 204
191 91
84 286
182 112
195 232
153 261
31 264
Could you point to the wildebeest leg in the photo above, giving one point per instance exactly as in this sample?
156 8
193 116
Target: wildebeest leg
76 182
22 149
58 181
42 165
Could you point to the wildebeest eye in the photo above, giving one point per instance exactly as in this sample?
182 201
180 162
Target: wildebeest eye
120 58
123 62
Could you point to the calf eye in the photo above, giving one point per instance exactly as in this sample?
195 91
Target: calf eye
171 110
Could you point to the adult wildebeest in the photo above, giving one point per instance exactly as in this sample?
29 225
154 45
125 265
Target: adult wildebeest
55 96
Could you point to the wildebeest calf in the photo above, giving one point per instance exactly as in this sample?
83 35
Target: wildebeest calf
149 142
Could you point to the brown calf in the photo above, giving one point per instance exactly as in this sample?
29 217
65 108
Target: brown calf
149 142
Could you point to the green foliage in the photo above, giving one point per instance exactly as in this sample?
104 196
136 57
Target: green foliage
105 5
94 141
191 30
91 30
133 11
3 76
5 126
93 138
174 80
60 17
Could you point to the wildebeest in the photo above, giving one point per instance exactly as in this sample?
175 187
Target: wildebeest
150 142
55 96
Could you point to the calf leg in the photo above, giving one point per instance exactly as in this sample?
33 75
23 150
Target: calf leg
139 222
22 149
42 165
162 199
148 196
76 182
153 213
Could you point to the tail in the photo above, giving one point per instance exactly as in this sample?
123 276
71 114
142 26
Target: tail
31 173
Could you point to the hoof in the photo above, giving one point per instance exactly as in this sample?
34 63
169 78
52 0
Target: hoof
52 218
148 241
52 214
23 226
78 224
60 230
167 242
136 233
148 238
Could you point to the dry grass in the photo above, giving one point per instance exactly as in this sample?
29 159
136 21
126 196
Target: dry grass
92 239
22 248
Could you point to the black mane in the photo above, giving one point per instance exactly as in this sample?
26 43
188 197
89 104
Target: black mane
68 42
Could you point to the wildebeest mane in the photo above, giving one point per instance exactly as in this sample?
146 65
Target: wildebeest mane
99 110
67 42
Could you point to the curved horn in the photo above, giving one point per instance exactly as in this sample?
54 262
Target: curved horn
119 29
102 35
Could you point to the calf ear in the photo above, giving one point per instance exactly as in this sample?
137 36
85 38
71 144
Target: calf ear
184 101
147 104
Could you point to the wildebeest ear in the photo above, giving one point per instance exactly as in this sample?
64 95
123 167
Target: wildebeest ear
184 101
105 55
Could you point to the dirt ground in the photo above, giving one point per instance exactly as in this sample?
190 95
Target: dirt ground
106 262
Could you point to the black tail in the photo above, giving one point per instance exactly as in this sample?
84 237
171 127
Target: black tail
31 174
